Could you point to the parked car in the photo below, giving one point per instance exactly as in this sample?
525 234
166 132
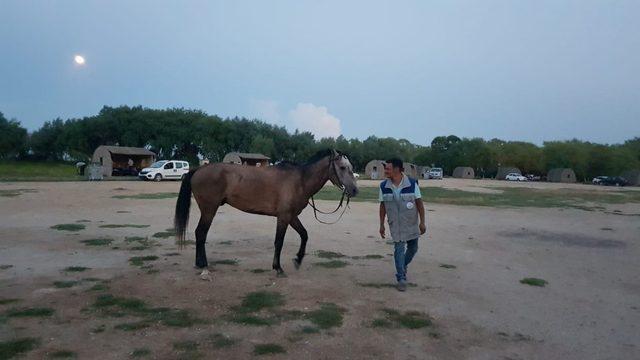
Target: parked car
598 180
515 177
356 175
614 181
532 177
435 173
165 169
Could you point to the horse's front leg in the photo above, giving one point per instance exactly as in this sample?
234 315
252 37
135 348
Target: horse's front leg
281 229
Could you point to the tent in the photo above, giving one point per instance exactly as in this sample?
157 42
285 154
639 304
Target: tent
564 175
463 172
117 157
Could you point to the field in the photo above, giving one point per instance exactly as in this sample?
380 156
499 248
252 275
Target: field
507 271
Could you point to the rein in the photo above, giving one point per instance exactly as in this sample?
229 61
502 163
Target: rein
312 203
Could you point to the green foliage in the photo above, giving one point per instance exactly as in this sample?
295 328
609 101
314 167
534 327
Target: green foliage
13 138
13 348
329 315
185 134
534 282
268 349
68 227
29 312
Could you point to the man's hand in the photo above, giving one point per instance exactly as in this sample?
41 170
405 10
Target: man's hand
382 231
423 228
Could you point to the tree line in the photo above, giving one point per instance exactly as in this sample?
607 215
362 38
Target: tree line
192 134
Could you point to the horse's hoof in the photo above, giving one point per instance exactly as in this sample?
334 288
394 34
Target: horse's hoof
281 274
296 263
205 275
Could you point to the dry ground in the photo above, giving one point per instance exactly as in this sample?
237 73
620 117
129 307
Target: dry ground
590 308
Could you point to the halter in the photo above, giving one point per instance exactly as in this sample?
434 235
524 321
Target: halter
332 166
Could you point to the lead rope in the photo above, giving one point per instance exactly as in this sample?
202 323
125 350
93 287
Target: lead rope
316 211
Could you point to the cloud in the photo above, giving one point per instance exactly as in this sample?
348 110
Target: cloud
266 110
315 119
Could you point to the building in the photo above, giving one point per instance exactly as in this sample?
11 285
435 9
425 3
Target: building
564 175
246 159
464 172
120 157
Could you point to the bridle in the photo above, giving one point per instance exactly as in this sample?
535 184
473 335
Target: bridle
312 203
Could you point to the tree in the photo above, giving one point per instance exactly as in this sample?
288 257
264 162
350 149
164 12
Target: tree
13 138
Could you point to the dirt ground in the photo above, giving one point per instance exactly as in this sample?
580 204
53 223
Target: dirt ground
590 308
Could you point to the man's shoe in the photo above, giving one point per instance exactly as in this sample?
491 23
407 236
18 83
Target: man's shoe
402 285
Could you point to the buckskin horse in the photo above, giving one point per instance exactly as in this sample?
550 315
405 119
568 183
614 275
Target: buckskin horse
282 191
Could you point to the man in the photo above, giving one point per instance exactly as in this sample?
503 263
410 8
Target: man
401 202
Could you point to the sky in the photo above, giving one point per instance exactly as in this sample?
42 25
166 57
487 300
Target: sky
516 70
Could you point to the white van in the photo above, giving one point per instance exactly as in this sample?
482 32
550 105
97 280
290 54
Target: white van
165 169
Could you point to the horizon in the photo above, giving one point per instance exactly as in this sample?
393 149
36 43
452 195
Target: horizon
526 71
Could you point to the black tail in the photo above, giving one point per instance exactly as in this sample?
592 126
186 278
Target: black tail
181 217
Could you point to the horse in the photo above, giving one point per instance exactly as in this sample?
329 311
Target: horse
282 191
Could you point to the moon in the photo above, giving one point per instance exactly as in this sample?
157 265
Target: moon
79 59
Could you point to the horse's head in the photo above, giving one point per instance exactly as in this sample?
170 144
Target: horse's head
342 174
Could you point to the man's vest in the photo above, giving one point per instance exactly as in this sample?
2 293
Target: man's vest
402 213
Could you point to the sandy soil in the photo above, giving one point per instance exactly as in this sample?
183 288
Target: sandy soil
590 308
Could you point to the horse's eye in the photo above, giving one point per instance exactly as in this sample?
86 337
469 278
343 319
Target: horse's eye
343 167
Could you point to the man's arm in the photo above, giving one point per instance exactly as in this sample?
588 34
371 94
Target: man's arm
423 225
383 213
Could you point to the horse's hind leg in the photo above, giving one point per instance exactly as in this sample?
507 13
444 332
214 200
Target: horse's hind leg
281 230
297 226
204 224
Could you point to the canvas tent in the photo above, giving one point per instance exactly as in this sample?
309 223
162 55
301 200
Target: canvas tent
411 170
117 157
564 175
464 172
632 176
374 170
246 159
503 171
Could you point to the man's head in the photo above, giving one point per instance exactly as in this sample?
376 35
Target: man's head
393 167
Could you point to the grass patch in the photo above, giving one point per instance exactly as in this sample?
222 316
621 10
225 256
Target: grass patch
5 267
509 197
8 301
329 254
368 257
13 348
259 271
83 221
130 239
38 171
97 242
65 284
75 269
134 326
220 341
119 306
534 282
226 262
117 226
447 266
333 264
142 352
172 254
226 242
259 300
140 260
148 196
381 323
268 349
63 354
252 320
16 192
310 330
329 315
29 312
69 227
187 345
165 234
99 287
383 285
99 329
408 319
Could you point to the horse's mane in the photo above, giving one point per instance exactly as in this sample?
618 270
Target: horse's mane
312 160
